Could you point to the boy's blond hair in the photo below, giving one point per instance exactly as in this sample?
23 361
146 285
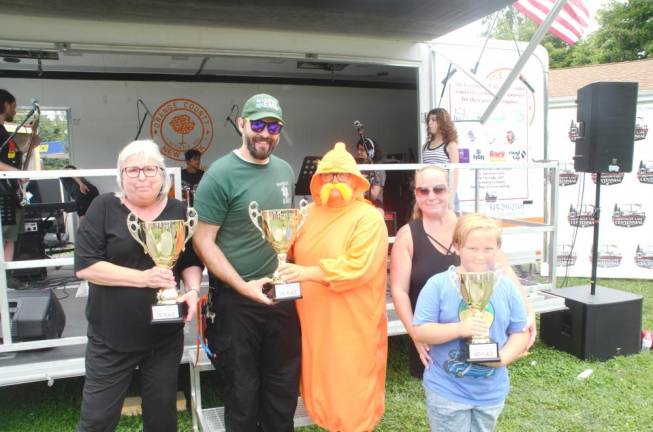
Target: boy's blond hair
473 221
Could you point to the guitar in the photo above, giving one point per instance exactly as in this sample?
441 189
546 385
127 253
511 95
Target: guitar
21 191
17 188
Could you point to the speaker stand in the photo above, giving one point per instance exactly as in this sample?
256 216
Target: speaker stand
595 241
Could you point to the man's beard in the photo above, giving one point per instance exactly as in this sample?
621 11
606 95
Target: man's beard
260 154
344 197
9 118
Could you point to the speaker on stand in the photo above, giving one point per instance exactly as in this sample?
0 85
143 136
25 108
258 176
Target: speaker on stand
599 323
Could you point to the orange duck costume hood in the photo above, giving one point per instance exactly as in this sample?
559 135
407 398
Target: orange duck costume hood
339 160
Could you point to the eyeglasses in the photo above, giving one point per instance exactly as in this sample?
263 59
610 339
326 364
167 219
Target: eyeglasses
437 190
134 171
336 176
274 127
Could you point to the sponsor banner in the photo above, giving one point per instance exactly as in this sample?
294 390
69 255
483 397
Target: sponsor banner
582 217
510 135
625 232
628 216
609 179
644 256
566 255
645 172
568 179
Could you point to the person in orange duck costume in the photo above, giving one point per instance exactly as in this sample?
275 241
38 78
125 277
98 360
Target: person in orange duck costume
340 259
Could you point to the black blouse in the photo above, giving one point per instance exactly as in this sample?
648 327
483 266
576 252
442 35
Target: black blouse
120 316
427 260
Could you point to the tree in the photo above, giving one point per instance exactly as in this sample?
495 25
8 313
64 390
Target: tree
625 33
52 127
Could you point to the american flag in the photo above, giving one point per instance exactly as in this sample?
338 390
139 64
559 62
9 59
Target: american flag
570 23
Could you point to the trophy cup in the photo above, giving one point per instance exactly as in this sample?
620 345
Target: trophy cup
279 228
163 241
476 289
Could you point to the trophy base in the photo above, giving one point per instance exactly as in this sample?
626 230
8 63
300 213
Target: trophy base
283 291
482 352
168 313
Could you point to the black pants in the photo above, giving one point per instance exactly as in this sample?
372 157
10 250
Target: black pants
258 348
109 373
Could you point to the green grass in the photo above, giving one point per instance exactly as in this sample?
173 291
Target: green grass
545 394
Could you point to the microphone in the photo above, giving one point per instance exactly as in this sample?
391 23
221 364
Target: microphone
358 124
35 108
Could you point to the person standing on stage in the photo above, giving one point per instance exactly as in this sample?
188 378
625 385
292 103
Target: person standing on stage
442 145
82 191
340 255
11 159
193 172
256 341
191 175
123 284
369 152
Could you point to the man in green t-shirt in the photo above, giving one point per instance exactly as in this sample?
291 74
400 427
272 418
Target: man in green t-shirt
256 341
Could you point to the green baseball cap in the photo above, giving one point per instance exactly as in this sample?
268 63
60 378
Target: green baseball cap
261 106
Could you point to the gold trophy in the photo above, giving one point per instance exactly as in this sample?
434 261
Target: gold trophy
476 289
280 226
163 241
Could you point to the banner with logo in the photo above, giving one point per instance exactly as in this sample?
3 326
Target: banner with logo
179 125
512 134
625 226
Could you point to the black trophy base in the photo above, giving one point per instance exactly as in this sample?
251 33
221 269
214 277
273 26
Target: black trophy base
168 313
283 291
482 352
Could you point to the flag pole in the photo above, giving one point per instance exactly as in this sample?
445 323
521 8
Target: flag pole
516 70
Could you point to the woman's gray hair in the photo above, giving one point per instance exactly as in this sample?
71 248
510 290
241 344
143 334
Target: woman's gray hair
150 150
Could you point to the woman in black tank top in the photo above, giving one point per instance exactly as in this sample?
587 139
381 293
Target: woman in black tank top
422 249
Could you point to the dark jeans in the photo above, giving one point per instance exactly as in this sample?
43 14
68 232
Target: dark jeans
109 373
258 355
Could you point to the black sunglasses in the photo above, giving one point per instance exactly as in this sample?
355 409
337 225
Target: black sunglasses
437 190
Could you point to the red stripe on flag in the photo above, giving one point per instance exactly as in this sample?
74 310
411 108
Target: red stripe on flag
537 19
568 25
580 5
573 15
559 20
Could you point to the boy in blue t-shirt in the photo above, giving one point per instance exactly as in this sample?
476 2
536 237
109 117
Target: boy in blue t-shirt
463 396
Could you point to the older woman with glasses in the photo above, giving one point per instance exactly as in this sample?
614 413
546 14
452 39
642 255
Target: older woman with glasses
123 284
423 248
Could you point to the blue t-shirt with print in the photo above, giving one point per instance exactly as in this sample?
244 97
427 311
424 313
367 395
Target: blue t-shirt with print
449 375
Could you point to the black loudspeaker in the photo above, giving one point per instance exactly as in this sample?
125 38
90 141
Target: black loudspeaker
596 327
29 246
35 314
606 127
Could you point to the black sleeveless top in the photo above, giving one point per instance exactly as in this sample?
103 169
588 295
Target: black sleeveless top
427 260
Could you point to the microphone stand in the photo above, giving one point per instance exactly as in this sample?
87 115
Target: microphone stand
13 134
230 120
141 121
